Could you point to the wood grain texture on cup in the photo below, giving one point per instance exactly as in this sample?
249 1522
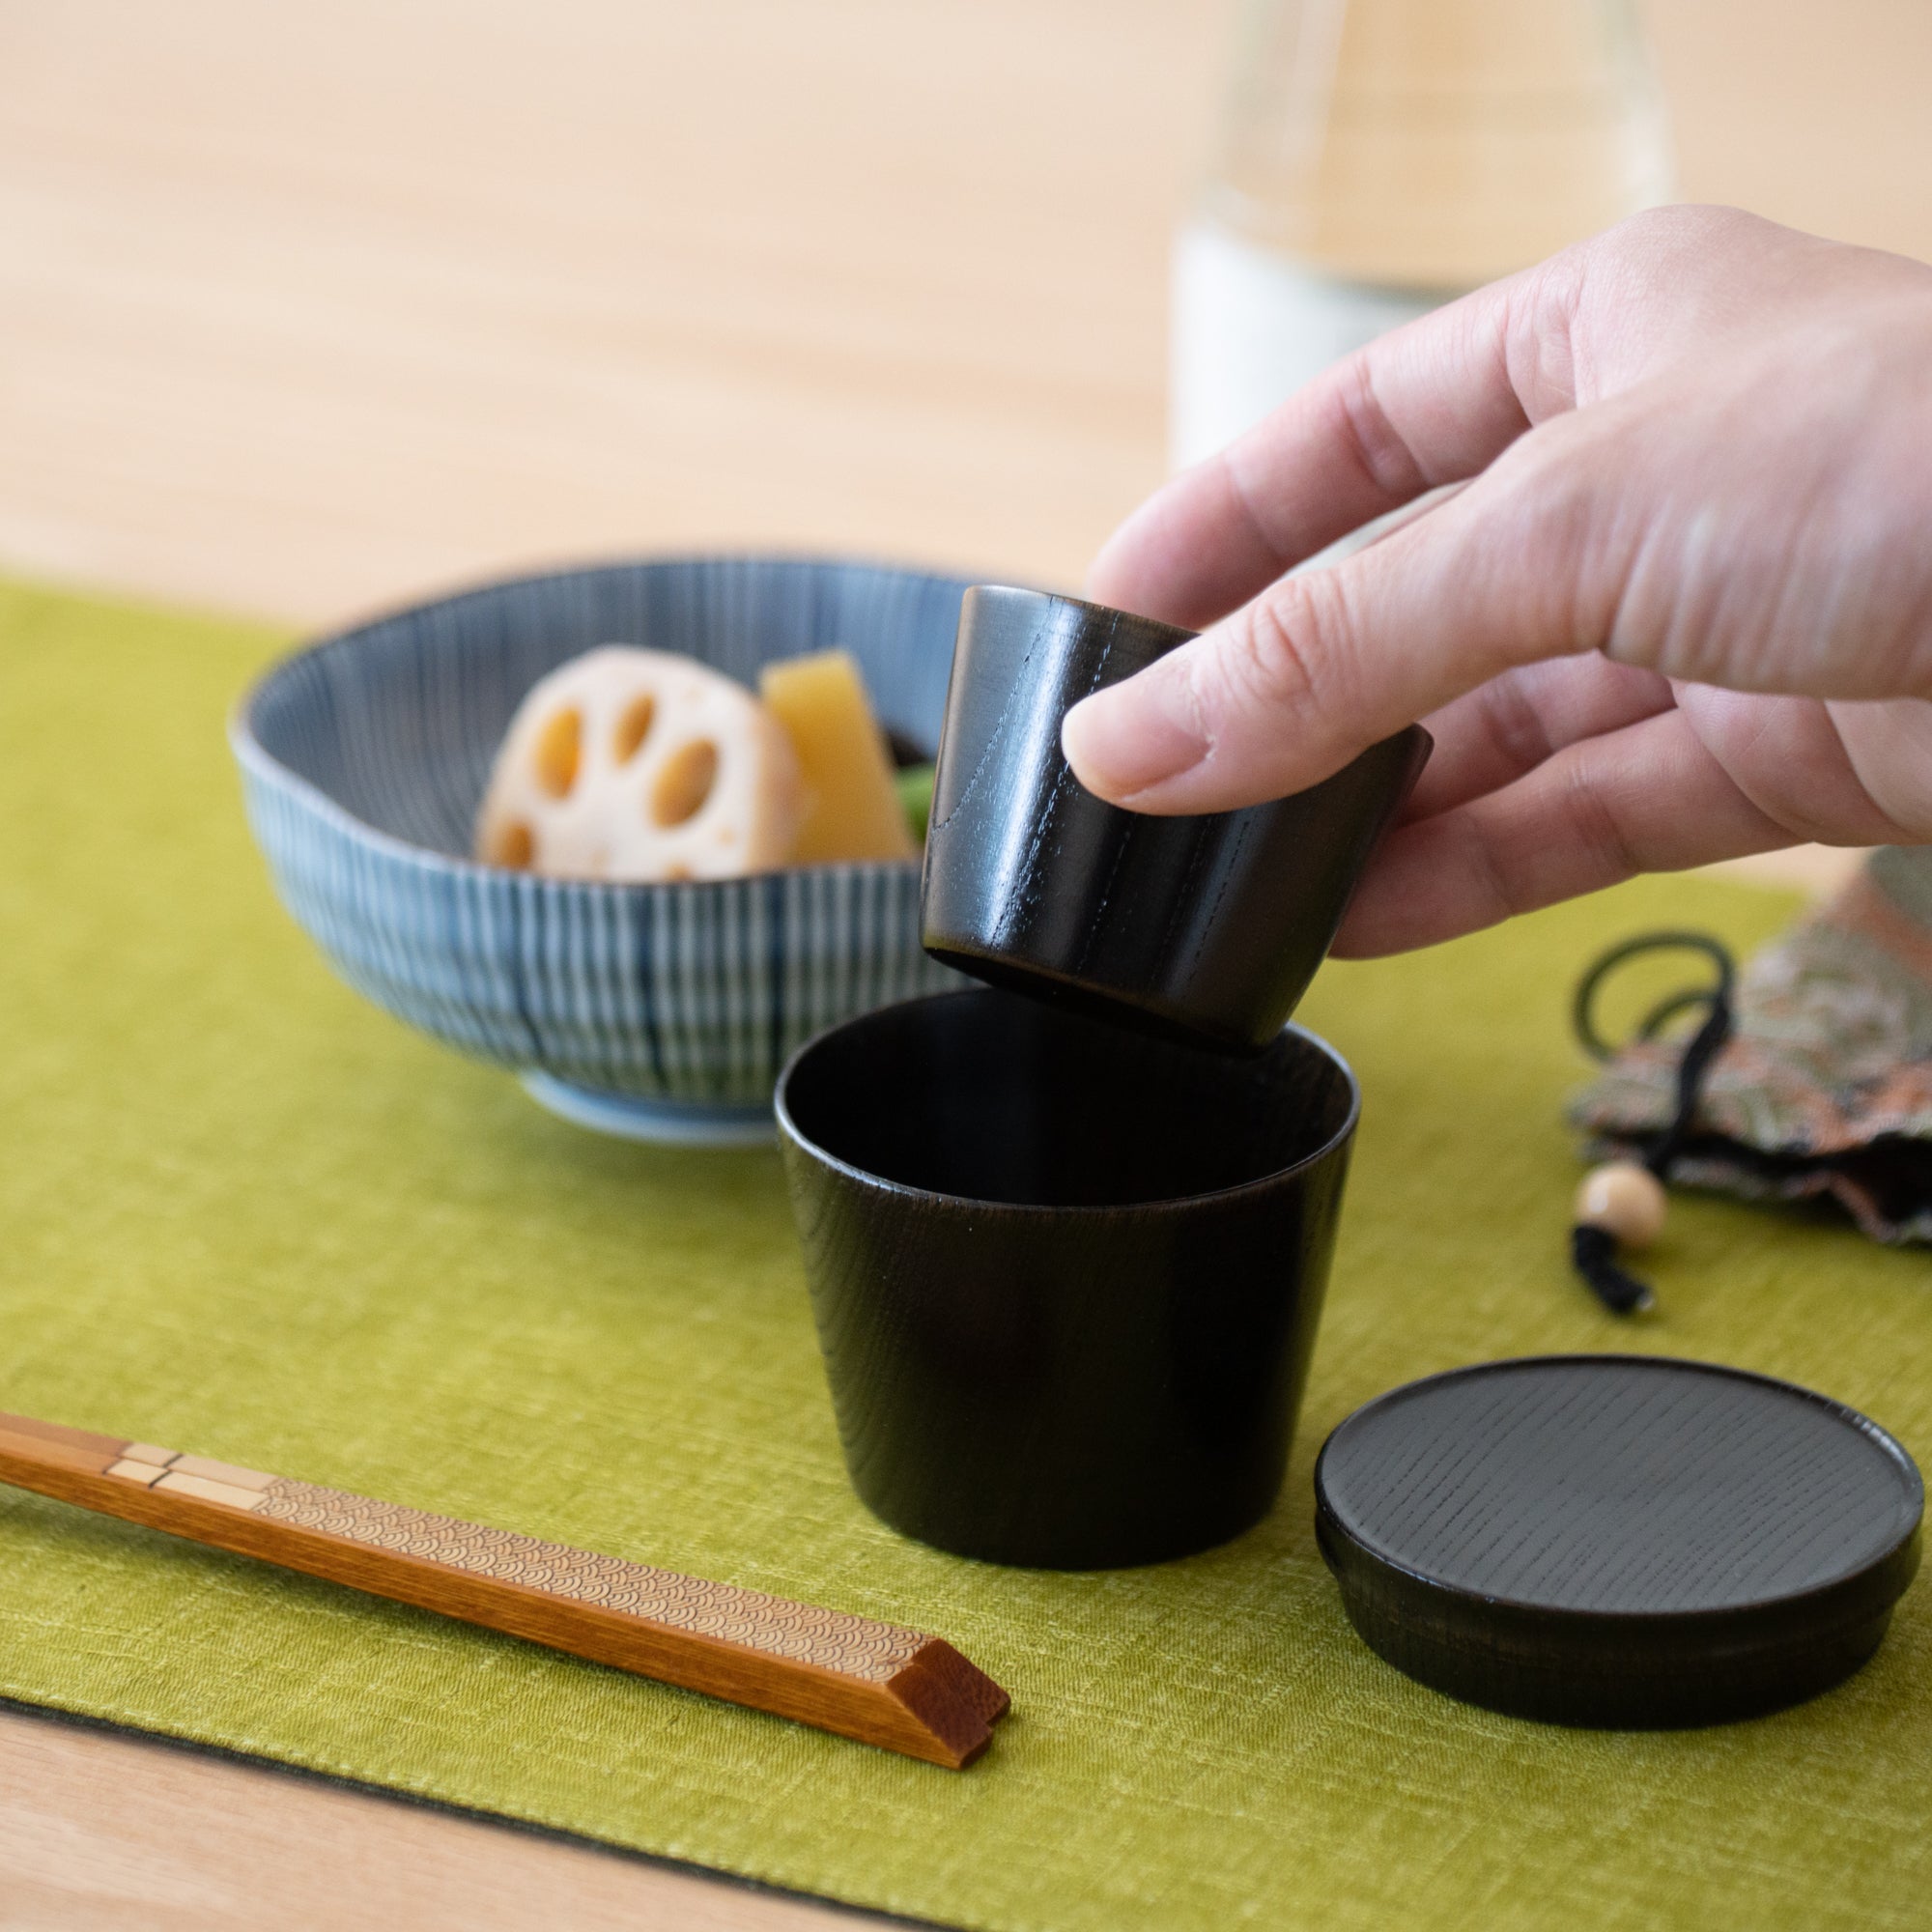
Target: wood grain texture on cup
1066 1278
1208 928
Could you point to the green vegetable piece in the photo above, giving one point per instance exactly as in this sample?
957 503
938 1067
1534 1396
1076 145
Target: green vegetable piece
915 790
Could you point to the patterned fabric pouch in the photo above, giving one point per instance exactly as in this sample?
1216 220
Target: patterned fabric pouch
1825 1086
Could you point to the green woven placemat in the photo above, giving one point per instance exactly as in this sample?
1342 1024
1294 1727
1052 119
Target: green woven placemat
245 1213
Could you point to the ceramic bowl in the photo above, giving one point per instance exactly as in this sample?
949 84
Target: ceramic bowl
1208 927
1066 1277
662 1011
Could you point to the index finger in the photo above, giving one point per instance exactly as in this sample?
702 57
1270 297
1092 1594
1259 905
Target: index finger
1432 402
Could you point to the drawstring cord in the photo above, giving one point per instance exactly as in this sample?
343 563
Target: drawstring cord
1594 1241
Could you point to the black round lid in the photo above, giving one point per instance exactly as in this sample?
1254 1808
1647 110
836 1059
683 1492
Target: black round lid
1618 1540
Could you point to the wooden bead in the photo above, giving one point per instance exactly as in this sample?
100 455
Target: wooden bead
1624 1200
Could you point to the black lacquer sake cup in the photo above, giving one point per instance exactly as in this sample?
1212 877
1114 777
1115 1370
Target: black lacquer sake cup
1207 927
1066 1278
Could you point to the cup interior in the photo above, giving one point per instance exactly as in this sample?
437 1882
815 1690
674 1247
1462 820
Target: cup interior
988 1096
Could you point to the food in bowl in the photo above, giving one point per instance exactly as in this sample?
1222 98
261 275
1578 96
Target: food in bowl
856 810
659 1009
648 766
638 764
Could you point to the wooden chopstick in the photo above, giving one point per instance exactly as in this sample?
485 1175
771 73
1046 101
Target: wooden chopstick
879 1682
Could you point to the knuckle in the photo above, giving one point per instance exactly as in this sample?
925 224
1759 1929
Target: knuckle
1545 352
1550 493
1491 894
1596 827
1275 657
1515 725
1365 431
1666 233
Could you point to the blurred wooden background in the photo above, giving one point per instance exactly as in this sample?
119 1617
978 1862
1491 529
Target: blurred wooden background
308 308
304 308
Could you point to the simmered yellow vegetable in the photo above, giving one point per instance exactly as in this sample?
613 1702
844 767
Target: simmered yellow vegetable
854 810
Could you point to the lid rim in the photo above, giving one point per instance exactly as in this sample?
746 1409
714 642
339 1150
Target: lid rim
1872 1588
1606 1664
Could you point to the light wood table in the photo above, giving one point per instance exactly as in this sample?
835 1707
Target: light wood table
308 308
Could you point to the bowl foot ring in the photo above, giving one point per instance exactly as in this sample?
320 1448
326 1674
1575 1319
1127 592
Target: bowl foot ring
659 1122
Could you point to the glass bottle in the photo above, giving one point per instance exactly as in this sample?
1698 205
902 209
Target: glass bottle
1378 156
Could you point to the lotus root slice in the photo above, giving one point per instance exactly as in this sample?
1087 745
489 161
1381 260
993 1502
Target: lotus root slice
641 765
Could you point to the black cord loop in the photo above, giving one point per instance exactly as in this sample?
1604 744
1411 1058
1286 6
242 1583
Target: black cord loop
1583 1007
1592 1250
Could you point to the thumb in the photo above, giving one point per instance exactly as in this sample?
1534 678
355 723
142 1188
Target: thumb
1324 663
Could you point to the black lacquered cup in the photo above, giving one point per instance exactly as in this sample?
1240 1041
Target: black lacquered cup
1207 927
1065 1278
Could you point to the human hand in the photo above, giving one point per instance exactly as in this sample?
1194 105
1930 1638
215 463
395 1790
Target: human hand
1683 611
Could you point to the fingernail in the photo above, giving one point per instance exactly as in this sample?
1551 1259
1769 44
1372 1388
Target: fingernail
1124 741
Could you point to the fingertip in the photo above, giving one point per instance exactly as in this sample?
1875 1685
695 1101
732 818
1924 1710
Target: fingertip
1377 921
1085 745
1124 743
1366 933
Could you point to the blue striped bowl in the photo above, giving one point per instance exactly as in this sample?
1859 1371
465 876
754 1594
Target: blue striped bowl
661 1011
